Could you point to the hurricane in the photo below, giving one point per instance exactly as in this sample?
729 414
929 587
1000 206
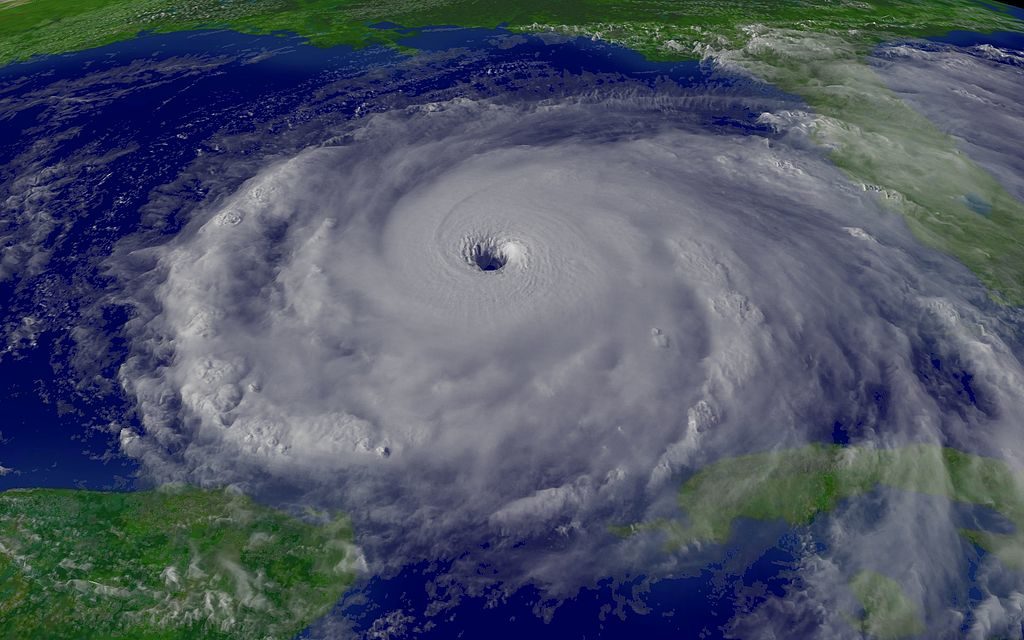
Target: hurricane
557 325
475 323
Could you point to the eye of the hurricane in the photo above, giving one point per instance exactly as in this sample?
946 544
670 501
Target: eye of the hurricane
488 258
489 254
492 254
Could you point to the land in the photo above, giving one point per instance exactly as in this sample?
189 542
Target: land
166 564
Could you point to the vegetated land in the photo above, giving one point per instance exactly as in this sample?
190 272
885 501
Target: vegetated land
166 564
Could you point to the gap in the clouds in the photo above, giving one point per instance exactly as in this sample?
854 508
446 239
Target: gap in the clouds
840 434
488 261
489 256
949 381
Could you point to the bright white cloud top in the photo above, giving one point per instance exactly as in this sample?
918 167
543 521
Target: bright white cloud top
469 321
665 297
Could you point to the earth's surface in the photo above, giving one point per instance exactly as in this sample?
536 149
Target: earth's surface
451 319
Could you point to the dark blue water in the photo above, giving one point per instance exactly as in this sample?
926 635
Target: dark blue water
1001 39
696 606
581 56
1006 7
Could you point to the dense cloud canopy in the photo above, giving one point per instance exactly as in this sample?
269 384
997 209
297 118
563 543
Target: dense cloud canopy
651 297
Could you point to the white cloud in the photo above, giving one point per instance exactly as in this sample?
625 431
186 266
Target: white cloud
327 325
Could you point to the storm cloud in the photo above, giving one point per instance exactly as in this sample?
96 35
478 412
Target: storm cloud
467 321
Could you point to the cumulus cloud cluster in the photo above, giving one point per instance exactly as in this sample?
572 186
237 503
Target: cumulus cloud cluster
466 322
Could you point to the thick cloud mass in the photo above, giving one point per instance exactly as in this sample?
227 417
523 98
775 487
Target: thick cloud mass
666 297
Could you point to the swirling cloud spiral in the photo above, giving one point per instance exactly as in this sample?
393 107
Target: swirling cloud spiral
473 321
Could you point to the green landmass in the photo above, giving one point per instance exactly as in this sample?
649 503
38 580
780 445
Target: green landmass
162 565
816 49
664 29
888 613
797 485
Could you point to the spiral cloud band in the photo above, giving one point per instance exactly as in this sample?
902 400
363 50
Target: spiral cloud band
486 322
